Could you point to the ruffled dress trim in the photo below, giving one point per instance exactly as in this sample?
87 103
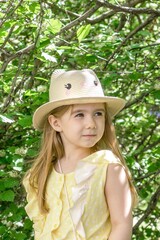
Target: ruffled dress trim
32 209
83 174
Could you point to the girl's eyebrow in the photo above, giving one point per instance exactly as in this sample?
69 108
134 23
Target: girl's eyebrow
83 110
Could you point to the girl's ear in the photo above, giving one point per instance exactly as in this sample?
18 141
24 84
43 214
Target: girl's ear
54 122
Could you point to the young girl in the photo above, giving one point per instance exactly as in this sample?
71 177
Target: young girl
79 186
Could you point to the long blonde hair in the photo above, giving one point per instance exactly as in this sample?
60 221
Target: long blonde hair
52 149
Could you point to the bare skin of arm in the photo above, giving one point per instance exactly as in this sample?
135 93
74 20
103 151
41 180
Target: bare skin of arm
119 200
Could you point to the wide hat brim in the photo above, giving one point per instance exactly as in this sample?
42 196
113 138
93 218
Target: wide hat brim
114 106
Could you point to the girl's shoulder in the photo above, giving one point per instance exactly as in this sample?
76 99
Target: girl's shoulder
96 162
103 157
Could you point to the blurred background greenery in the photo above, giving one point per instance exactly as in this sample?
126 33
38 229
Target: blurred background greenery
120 41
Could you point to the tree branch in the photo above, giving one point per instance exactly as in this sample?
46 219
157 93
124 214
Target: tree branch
124 9
67 27
150 146
76 22
17 54
146 46
9 14
14 88
121 23
10 96
8 36
147 175
131 34
151 206
138 99
53 6
105 15
81 18
149 134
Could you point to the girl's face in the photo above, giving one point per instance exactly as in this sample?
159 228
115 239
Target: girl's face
82 126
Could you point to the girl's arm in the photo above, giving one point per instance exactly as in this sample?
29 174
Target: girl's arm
119 200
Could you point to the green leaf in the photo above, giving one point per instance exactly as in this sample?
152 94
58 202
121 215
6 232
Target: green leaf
27 224
31 153
156 94
153 167
30 93
44 43
83 31
13 208
7 196
54 25
135 75
32 6
16 217
20 236
10 182
2 187
26 121
144 33
91 58
2 173
41 79
108 79
3 229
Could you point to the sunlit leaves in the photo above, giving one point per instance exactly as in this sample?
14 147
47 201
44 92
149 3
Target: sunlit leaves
54 25
83 31
5 119
49 57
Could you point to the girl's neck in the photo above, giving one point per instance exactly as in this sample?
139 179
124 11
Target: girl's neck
70 160
75 156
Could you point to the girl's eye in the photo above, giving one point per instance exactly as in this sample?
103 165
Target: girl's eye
98 114
79 115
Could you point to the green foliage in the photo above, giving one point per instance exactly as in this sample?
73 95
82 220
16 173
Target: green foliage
54 25
82 32
37 37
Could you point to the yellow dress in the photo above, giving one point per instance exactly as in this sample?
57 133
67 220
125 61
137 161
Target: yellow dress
88 207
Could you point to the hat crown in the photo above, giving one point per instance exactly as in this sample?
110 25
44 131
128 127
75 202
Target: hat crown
74 84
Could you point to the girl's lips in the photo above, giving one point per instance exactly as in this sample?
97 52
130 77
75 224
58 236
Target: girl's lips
89 135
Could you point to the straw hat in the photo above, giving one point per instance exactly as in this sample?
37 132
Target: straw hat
75 87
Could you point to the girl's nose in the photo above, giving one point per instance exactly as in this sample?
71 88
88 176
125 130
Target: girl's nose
90 123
